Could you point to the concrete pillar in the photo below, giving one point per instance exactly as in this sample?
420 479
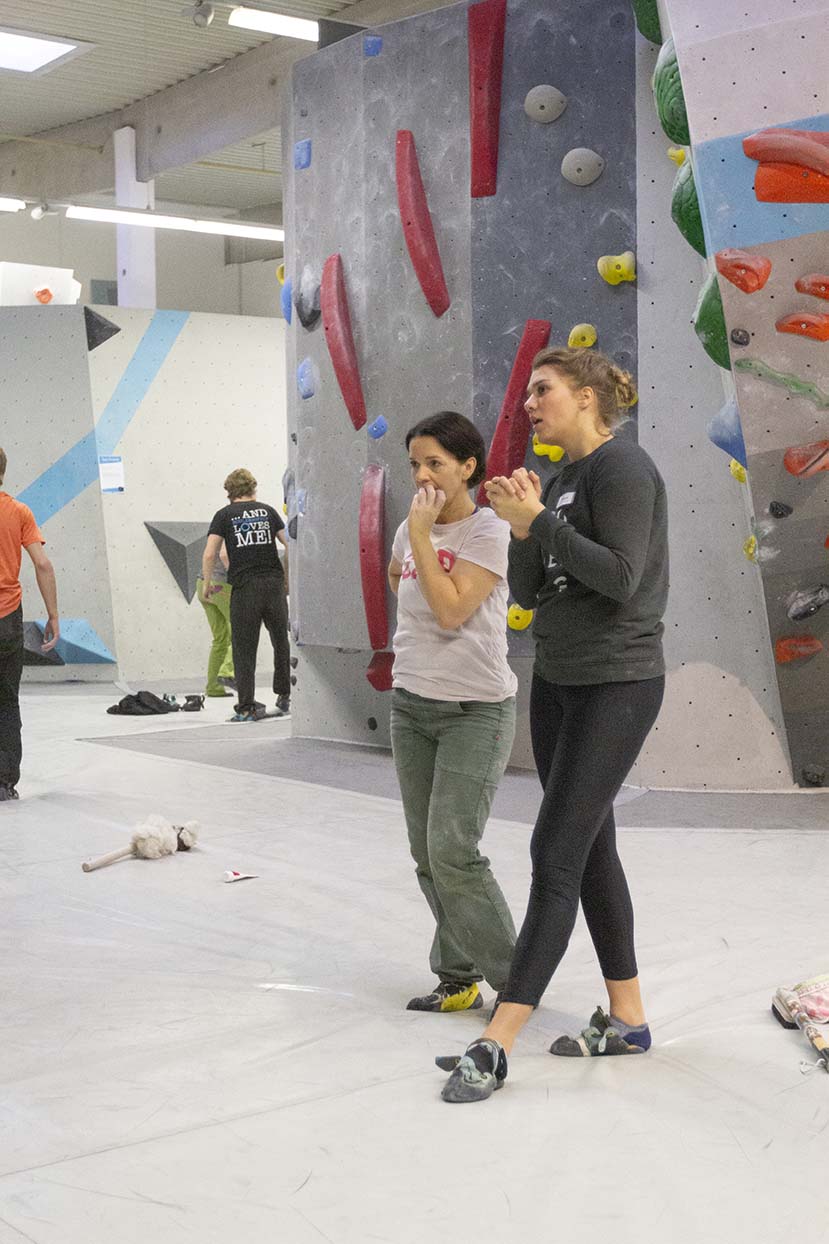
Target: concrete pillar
135 247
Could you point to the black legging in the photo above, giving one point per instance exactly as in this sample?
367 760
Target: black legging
585 740
260 599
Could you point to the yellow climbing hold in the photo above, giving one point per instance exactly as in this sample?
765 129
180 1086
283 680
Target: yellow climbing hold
617 268
519 619
677 154
738 471
750 548
554 452
582 335
280 274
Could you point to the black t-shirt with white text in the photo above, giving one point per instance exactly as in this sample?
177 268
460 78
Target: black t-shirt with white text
249 530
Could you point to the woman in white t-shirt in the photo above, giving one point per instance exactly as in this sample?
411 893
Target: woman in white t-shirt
453 704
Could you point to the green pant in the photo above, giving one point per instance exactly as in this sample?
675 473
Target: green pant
220 661
450 757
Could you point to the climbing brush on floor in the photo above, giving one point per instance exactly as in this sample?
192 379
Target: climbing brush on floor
156 837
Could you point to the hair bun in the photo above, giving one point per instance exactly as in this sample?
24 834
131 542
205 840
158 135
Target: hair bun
626 394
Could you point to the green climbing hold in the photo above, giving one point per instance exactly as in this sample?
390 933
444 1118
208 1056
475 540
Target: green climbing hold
667 94
685 211
647 19
709 323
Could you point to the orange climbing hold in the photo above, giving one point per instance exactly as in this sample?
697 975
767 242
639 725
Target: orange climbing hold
805 460
814 283
786 183
44 295
795 648
748 272
805 324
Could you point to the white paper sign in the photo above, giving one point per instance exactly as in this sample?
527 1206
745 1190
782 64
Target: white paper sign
111 470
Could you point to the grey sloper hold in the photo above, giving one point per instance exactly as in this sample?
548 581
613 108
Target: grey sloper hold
804 604
545 103
181 545
581 166
307 297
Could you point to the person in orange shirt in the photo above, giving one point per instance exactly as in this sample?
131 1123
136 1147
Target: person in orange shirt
18 530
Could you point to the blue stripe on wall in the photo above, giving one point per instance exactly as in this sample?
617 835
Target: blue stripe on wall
78 467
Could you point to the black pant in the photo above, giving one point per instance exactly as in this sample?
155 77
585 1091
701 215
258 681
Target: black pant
585 740
260 599
11 667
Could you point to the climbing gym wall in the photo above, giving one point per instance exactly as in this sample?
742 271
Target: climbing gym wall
466 185
754 88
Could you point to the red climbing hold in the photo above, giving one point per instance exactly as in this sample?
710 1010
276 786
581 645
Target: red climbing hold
806 460
336 321
807 149
373 554
805 324
417 224
379 671
486 23
814 283
748 272
795 648
509 440
786 183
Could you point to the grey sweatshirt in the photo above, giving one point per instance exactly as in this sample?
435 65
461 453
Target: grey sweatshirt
595 569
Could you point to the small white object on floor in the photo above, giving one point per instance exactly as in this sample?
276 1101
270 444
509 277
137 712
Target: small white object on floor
232 875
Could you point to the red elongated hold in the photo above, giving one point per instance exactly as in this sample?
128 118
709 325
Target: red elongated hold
512 431
805 148
814 283
795 648
748 272
379 671
786 183
806 460
336 320
805 324
486 23
417 224
373 554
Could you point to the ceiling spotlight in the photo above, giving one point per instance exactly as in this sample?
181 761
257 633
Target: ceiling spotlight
202 13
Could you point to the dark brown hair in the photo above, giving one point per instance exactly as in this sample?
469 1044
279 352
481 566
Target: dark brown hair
458 436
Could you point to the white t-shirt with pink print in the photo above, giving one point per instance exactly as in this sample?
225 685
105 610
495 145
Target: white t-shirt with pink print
470 661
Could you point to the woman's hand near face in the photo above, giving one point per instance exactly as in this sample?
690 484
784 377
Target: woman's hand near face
528 481
427 504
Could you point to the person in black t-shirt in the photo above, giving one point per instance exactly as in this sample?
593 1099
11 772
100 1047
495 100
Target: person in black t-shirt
250 530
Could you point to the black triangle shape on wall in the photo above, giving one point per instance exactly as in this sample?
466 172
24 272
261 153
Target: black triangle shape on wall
98 330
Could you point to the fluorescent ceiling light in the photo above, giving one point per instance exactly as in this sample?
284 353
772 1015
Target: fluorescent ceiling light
12 205
154 220
23 51
275 24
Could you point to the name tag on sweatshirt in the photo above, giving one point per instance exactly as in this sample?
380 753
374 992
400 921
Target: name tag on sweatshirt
566 498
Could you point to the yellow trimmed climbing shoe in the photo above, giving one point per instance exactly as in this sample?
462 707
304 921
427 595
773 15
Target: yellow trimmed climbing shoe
449 996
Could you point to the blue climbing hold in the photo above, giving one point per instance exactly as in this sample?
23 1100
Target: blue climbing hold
305 379
302 154
286 298
378 428
300 502
726 432
372 45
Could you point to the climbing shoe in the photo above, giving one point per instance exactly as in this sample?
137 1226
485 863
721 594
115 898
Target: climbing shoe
449 996
192 703
600 1037
283 703
475 1075
7 792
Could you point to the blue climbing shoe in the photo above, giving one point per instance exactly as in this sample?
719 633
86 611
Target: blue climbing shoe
600 1037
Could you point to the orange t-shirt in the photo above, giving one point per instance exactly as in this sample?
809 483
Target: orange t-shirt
17 529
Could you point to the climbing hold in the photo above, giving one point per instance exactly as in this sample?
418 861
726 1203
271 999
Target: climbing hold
814 283
508 447
647 19
617 268
372 723
738 471
554 452
519 619
685 209
486 23
740 336
805 324
748 272
811 775
280 274
806 460
725 430
802 388
336 320
793 165
750 548
379 671
302 154
286 300
581 166
677 154
372 45
795 648
307 300
305 379
378 428
418 230
802 605
372 529
545 103
44 295
709 322
582 336
779 509
667 94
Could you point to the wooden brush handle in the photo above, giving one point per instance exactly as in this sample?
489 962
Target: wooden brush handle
103 860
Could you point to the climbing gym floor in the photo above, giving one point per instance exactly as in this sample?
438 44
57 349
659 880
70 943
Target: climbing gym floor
185 1059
